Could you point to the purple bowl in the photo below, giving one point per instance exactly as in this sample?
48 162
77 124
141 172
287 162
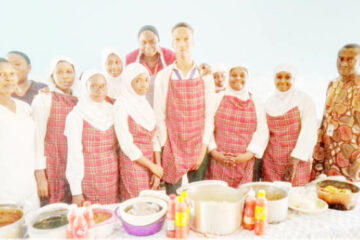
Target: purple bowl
146 230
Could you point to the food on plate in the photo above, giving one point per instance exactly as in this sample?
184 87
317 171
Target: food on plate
51 222
9 216
101 215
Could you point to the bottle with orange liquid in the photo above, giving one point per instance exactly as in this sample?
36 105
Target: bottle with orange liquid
260 213
80 226
170 217
249 211
184 194
71 219
180 218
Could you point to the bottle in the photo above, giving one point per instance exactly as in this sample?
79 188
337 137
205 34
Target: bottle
80 226
71 218
88 214
170 217
184 194
260 213
180 218
249 211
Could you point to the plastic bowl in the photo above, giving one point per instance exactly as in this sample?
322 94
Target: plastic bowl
144 230
105 228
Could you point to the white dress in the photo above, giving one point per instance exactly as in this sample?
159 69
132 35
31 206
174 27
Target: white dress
17 155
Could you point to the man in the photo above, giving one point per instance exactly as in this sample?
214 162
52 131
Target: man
151 55
26 89
183 106
338 149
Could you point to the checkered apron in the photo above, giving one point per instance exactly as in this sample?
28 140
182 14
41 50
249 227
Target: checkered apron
134 177
284 132
101 179
56 147
235 123
185 121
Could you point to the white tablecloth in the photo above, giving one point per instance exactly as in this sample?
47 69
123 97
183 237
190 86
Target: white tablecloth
331 224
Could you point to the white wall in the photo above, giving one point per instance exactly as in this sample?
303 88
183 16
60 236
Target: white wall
257 33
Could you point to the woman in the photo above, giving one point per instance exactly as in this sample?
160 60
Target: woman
49 114
240 133
140 166
113 66
292 123
17 157
92 167
219 74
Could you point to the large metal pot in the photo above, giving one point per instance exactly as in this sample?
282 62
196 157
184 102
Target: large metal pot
15 229
277 196
216 209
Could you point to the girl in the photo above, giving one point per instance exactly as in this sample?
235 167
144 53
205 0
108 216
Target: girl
140 166
17 157
240 134
292 123
219 74
113 65
49 114
92 169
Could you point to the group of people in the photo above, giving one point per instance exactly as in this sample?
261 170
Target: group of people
157 116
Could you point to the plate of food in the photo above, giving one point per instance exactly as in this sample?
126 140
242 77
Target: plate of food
306 201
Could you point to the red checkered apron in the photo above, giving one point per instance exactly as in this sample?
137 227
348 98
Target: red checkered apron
134 177
284 132
56 147
235 123
185 121
101 179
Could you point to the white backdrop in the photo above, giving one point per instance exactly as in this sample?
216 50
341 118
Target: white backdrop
257 33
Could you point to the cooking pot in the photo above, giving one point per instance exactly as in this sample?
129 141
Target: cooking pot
216 209
277 196
15 229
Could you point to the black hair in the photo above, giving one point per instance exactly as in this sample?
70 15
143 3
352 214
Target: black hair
182 24
149 28
350 45
3 60
26 57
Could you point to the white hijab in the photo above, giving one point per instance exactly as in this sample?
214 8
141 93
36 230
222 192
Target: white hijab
281 102
114 82
243 94
135 105
99 115
220 68
52 77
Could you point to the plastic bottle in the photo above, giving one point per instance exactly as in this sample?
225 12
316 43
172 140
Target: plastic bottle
88 214
170 217
249 212
260 213
71 218
180 218
184 194
80 226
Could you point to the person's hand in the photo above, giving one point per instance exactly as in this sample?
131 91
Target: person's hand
42 184
291 170
222 158
154 182
45 90
78 200
157 170
205 69
243 157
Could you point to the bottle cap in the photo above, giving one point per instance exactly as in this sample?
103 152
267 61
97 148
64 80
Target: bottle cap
180 199
261 193
172 197
251 193
184 194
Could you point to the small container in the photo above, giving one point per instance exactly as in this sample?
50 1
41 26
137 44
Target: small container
260 213
184 194
180 218
249 211
170 217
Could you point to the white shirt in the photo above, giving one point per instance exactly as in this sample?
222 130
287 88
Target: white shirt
125 137
308 134
160 101
260 137
41 108
17 158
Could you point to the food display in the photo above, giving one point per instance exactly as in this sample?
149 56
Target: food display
101 216
143 208
52 221
9 216
338 194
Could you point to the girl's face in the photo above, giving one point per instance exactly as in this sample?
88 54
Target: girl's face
97 88
283 81
219 78
8 79
140 84
64 75
237 78
114 65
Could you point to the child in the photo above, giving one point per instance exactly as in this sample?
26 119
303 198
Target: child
92 167
240 134
140 166
219 74
113 66
49 114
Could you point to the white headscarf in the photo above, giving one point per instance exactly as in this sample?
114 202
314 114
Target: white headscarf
114 82
52 77
135 105
99 115
243 94
220 68
281 102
